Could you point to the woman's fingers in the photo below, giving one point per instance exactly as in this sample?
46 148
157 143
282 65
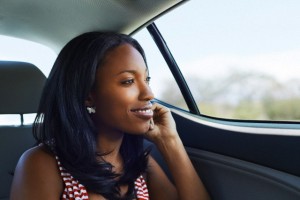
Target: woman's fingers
151 124
162 124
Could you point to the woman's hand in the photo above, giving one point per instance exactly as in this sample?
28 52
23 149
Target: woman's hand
163 134
162 125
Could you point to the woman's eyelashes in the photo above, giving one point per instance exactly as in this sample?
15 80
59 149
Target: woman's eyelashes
128 82
131 81
148 80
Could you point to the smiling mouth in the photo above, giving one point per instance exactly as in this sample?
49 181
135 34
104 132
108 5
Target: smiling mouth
145 113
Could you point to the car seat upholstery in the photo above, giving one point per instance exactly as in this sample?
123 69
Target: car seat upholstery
21 85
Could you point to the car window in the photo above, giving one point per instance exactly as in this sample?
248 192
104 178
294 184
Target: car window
14 49
240 58
162 81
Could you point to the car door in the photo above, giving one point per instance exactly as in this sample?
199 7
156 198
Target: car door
235 108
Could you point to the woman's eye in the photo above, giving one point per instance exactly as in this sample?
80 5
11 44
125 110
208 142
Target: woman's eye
148 80
128 82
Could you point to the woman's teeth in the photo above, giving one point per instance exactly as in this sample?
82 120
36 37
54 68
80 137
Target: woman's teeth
144 111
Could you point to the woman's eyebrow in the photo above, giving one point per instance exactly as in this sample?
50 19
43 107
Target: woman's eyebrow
130 71
127 71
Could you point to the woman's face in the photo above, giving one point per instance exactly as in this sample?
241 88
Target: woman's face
122 94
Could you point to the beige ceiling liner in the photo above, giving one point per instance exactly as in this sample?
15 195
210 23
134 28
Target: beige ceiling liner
55 22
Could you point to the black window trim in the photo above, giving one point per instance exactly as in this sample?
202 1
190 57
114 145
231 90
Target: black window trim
166 53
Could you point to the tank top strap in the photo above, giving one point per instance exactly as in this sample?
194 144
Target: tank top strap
141 188
73 189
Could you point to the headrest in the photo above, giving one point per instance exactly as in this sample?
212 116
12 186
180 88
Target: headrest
21 85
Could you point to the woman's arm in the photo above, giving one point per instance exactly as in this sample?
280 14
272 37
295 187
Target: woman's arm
164 135
158 184
36 177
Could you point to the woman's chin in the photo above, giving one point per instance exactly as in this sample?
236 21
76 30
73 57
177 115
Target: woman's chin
139 130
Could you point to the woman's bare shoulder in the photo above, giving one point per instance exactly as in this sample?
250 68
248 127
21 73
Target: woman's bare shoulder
39 152
36 175
39 160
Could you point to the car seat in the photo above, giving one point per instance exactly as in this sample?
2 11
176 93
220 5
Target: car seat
21 85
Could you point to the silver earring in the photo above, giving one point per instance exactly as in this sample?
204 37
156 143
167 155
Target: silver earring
91 110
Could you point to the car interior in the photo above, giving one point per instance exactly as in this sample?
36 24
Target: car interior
21 87
236 159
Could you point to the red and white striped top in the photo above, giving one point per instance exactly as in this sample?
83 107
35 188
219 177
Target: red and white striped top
75 191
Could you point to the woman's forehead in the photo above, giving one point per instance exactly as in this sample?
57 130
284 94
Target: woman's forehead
124 58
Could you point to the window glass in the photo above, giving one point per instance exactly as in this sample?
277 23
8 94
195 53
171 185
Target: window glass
162 81
15 49
10 120
241 59
15 119
29 118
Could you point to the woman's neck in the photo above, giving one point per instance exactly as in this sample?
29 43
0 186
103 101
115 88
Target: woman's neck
108 145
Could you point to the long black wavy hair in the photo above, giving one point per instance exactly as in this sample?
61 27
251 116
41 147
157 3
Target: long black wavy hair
64 126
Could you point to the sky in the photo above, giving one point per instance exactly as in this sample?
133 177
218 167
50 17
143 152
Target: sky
213 36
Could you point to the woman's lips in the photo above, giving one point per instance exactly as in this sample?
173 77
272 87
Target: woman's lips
143 113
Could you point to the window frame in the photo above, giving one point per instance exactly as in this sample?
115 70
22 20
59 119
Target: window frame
167 55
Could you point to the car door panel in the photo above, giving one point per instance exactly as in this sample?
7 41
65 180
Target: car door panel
233 179
240 162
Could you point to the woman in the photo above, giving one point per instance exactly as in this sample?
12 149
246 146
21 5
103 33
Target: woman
94 113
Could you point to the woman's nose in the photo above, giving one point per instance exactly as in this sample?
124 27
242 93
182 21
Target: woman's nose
146 93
